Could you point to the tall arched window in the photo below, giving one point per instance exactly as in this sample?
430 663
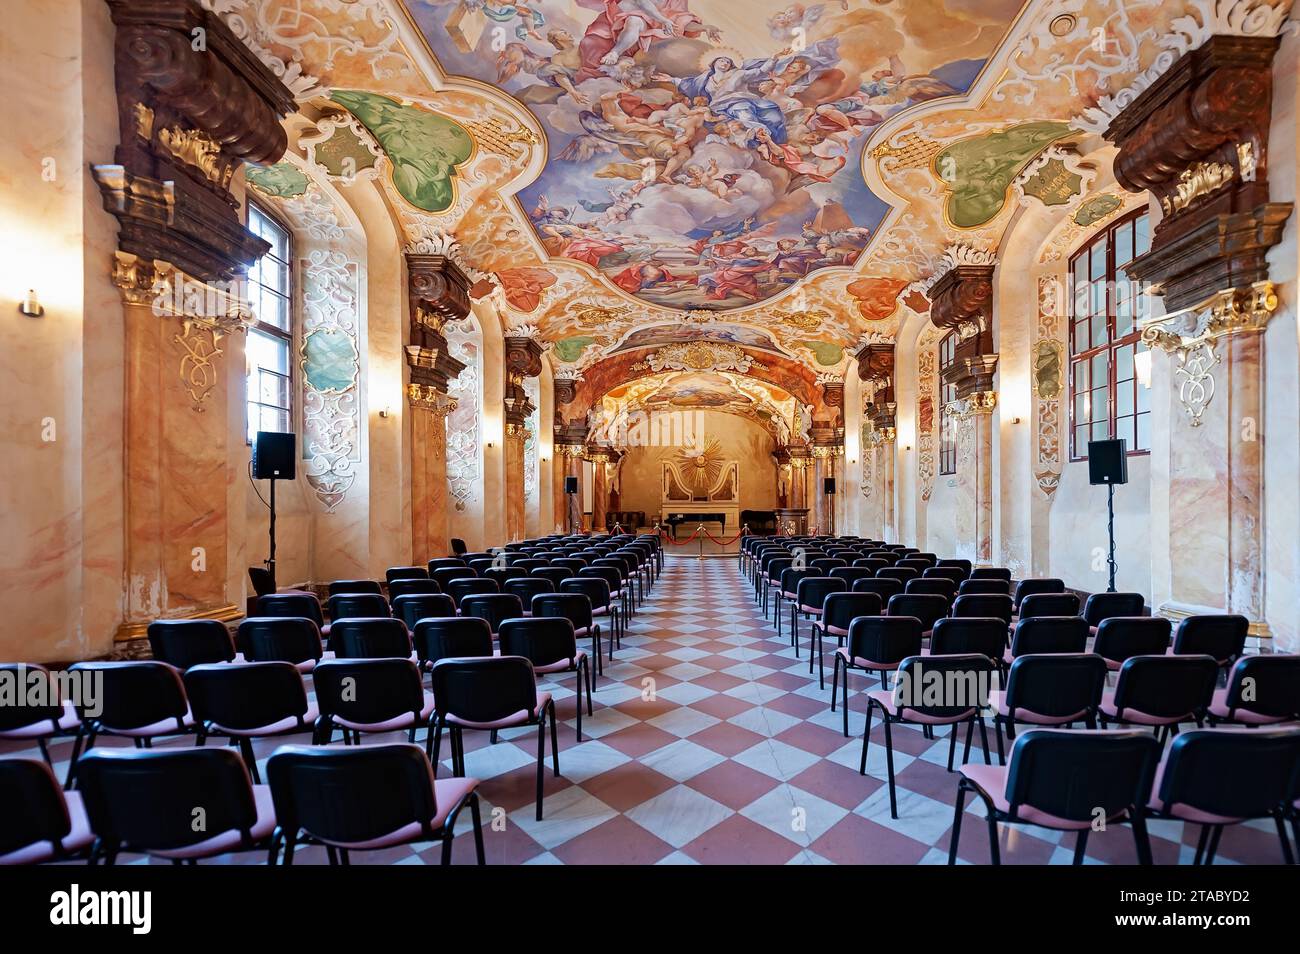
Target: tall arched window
947 394
1106 398
270 339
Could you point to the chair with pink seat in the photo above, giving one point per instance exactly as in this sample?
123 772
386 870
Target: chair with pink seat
1120 637
1261 690
147 802
839 610
549 643
1102 606
190 642
491 695
876 644
1051 689
1160 692
38 720
366 798
1065 780
369 696
1221 777
38 821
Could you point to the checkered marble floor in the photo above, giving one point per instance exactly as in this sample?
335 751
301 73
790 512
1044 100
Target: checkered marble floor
712 744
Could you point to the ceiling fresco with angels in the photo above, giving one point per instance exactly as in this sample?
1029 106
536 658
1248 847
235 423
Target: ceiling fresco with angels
707 154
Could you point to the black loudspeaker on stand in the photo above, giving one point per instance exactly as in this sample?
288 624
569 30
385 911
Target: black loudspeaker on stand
274 458
1108 464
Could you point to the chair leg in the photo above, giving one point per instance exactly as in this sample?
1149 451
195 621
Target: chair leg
555 742
984 740
866 735
435 743
541 761
995 854
997 729
889 765
821 664
812 645
447 837
955 837
1080 846
1213 848
246 750
1200 844
1141 838
477 818
953 730
76 754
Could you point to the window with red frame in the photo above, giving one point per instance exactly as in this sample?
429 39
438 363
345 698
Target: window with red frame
947 394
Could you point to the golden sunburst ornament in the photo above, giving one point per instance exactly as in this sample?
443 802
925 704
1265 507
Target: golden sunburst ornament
702 466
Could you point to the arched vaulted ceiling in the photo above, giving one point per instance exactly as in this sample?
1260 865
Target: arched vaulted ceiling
795 172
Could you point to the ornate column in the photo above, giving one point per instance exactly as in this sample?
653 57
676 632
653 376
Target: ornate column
1197 139
600 458
187 120
800 465
571 441
961 301
564 391
438 289
523 359
876 368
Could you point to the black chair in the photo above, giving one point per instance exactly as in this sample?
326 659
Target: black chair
602 603
366 799
1160 692
394 573
492 694
984 605
876 644
262 580
357 605
839 610
452 637
292 605
900 573
1048 604
458 546
555 575
495 608
953 573
965 682
370 696
246 701
31 718
550 645
1220 777
444 576
576 608
339 587
1101 606
872 563
932 586
824 565
149 802
503 573
926 608
413 607
1120 637
1048 634
459 589
1066 781
881 586
413 587
140 700
851 574
617 590
770 578
190 642
1049 690
480 565
445 563
1035 585
374 638
38 822
1221 636
1262 690
810 594
527 588
982 587
987 572
963 565
280 639
962 635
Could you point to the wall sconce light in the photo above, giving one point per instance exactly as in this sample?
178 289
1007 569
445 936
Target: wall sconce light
1015 420
907 447
489 445
31 305
386 412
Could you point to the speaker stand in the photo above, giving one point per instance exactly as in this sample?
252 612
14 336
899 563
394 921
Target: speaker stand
270 561
1110 531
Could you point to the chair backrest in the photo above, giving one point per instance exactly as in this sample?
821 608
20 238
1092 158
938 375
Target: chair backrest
983 604
953 573
367 691
443 563
1222 636
148 799
543 641
943 687
963 565
555 574
957 636
458 546
413 587
1102 606
990 573
884 639
824 565
245 696
32 807
451 637
291 604
30 708
1050 634
575 607
410 608
1119 637
596 590
503 573
914 563
1059 685
529 587
613 579
900 573
346 795
882 586
190 642
851 574
973 587
493 607
357 605
1033 585
459 589
932 585
446 575
485 690
1049 604
263 582
1073 774
354 586
791 576
813 590
406 573
1236 773
925 607
131 694
1166 686
282 639
872 563
480 565
1268 685
530 564
370 638
840 609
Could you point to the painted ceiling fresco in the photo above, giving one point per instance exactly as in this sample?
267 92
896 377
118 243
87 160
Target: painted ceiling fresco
625 176
707 153
688 391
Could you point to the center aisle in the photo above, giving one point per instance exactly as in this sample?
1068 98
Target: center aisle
711 743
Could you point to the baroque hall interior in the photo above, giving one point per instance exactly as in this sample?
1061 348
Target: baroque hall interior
663 355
